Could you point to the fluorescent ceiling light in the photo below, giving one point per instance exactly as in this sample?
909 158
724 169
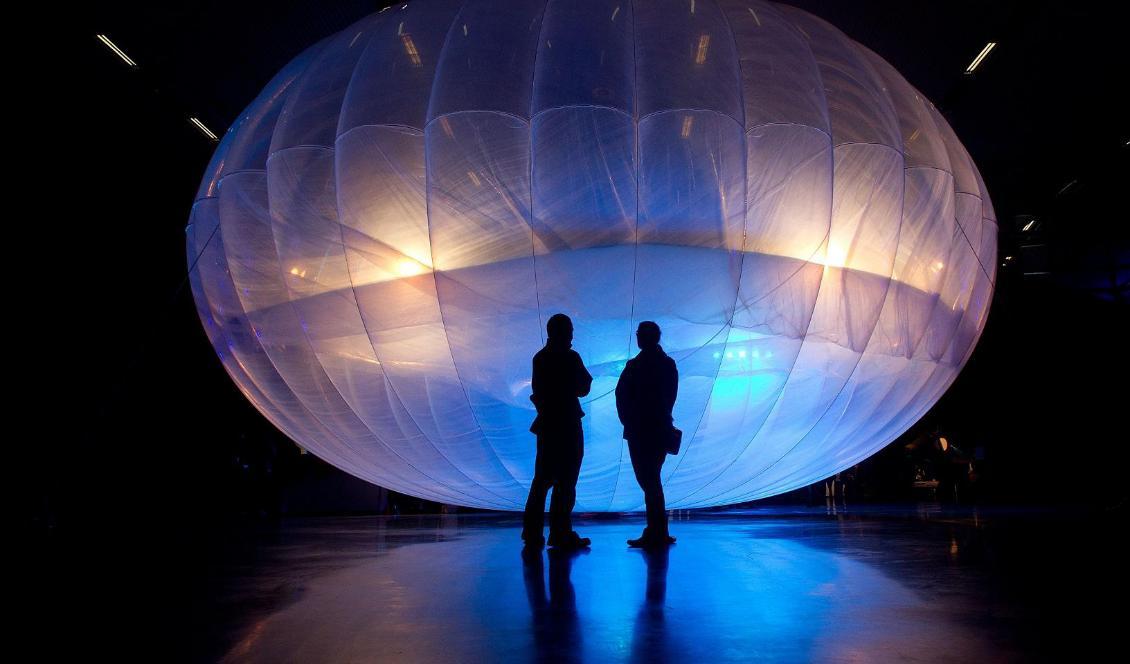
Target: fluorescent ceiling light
204 130
114 47
980 56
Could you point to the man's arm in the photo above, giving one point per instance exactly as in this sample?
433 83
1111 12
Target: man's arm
671 387
623 394
583 377
536 384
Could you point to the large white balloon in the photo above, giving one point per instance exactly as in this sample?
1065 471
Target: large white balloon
384 232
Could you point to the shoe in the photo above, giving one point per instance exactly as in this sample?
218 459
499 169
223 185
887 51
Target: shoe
570 541
535 542
646 542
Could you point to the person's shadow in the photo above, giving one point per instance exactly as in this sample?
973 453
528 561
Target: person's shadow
649 635
557 634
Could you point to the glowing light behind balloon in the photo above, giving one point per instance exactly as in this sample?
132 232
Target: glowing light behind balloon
385 230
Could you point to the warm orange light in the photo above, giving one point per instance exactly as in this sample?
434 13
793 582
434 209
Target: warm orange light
688 123
409 268
703 45
446 126
836 255
410 49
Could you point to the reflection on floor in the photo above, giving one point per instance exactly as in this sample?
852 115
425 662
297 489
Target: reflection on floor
772 584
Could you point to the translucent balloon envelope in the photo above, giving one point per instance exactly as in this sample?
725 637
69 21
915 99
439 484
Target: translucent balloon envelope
384 232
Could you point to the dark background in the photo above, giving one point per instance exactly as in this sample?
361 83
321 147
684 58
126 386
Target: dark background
145 436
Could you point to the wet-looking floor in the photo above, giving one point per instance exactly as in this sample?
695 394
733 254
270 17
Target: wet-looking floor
850 584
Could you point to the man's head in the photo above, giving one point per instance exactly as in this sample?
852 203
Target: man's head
559 329
647 335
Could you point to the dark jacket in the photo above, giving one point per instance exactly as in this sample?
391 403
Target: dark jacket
559 379
646 394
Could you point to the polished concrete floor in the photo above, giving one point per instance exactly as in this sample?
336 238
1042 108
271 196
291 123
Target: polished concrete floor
913 584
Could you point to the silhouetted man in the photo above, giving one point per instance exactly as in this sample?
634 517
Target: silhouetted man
645 396
559 379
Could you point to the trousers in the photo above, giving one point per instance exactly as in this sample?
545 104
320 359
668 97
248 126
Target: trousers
557 466
648 455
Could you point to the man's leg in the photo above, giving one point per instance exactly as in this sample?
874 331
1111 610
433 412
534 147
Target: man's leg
654 500
647 461
533 522
571 450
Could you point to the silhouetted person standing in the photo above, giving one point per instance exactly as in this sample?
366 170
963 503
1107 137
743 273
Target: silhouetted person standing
559 379
645 396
